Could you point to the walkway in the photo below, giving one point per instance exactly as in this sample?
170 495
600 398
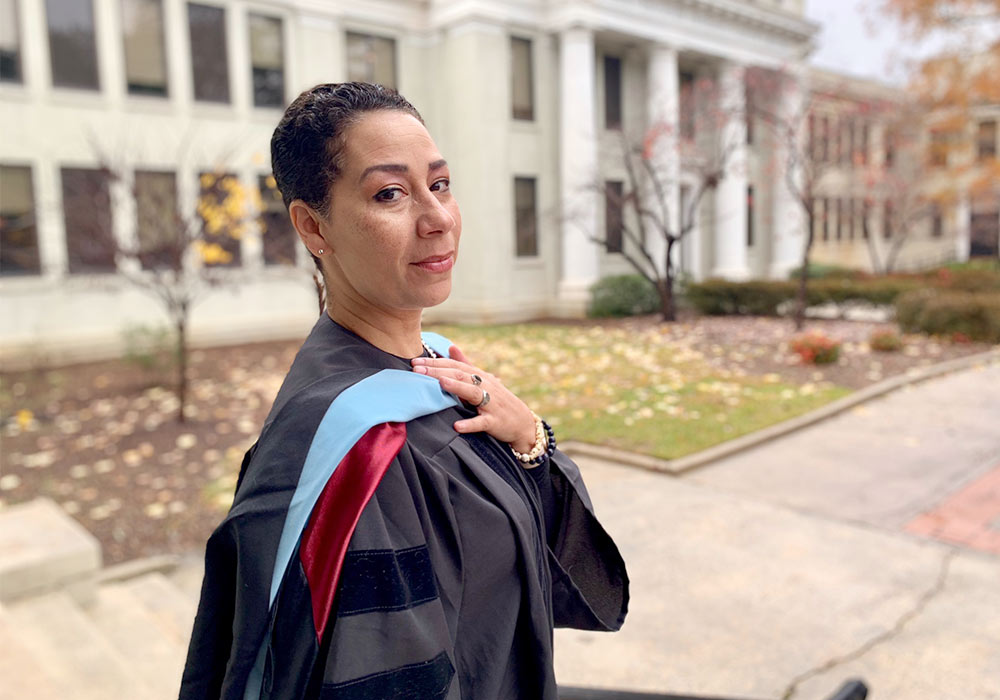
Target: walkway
824 555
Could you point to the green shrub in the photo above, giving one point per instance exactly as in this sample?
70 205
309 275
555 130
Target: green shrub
150 348
818 271
885 341
623 295
717 297
973 315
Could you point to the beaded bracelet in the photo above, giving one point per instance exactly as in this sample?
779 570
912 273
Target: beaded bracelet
544 446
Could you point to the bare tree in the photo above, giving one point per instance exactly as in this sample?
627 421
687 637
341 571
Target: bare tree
653 221
176 256
805 153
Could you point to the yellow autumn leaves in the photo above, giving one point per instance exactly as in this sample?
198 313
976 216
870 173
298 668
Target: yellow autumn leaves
228 210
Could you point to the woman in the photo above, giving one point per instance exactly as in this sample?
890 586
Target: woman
404 527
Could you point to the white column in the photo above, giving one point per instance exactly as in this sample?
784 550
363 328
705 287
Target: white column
963 226
577 167
731 195
663 89
788 229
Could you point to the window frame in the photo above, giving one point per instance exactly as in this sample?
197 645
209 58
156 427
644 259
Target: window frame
532 251
529 114
282 49
18 53
348 33
102 264
223 9
163 55
612 207
61 83
619 104
35 269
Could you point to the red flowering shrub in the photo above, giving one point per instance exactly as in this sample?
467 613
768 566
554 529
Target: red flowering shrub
814 348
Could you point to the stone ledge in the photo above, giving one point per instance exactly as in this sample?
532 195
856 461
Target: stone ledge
42 549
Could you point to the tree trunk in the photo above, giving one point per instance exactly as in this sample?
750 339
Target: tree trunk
182 361
668 309
801 296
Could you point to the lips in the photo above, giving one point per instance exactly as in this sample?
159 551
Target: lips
437 263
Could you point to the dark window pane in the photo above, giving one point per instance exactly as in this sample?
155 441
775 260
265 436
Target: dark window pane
220 237
937 222
887 214
10 43
71 43
526 218
865 142
209 60
890 147
687 105
840 219
276 230
750 215
267 59
18 236
371 59
522 80
984 234
826 219
986 140
145 58
612 92
613 222
159 229
90 243
866 218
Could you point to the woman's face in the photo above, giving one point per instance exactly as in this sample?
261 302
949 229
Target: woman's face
393 226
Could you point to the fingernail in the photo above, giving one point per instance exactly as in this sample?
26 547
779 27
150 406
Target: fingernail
417 361
420 370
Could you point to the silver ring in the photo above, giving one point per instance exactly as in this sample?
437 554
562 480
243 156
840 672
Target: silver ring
485 400
476 380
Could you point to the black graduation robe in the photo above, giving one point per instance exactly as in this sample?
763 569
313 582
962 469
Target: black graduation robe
373 552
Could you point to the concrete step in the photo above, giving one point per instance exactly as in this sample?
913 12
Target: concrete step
23 675
188 575
172 609
78 659
134 630
42 549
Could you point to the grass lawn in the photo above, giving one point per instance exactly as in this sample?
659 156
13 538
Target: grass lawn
642 391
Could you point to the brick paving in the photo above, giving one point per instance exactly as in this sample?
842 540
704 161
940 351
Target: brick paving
969 517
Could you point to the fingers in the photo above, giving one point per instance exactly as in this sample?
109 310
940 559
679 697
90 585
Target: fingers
477 424
463 390
456 354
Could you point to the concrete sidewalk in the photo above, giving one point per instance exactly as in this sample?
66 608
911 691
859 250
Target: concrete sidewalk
785 570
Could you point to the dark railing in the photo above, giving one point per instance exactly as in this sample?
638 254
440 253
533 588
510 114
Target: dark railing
851 690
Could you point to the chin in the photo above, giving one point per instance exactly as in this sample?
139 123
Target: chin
438 294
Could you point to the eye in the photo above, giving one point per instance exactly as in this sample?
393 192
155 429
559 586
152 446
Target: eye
389 194
442 185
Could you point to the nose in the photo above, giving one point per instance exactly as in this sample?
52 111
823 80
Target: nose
434 217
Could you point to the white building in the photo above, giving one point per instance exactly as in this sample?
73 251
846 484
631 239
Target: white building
526 99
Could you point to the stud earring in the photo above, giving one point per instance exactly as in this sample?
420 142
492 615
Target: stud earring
320 251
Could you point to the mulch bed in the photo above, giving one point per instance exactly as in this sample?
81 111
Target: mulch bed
102 439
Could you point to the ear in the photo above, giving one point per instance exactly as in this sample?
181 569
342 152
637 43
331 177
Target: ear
307 224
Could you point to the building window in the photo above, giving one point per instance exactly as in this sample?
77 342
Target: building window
276 230
887 214
612 92
939 149
209 58
145 58
86 201
72 47
10 43
223 243
18 235
864 144
159 230
521 79
890 147
866 218
937 221
823 152
687 105
840 219
750 216
986 140
526 217
826 219
267 60
849 143
371 59
614 193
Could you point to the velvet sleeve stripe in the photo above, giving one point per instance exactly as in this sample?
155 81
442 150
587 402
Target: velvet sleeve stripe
427 680
386 580
325 540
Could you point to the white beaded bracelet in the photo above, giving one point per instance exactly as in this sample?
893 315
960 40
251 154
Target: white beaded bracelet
541 443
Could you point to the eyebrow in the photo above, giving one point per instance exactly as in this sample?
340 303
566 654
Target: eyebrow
398 168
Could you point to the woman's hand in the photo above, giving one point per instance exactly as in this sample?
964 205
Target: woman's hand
505 417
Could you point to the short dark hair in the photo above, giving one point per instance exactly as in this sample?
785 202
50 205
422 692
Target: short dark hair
307 145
